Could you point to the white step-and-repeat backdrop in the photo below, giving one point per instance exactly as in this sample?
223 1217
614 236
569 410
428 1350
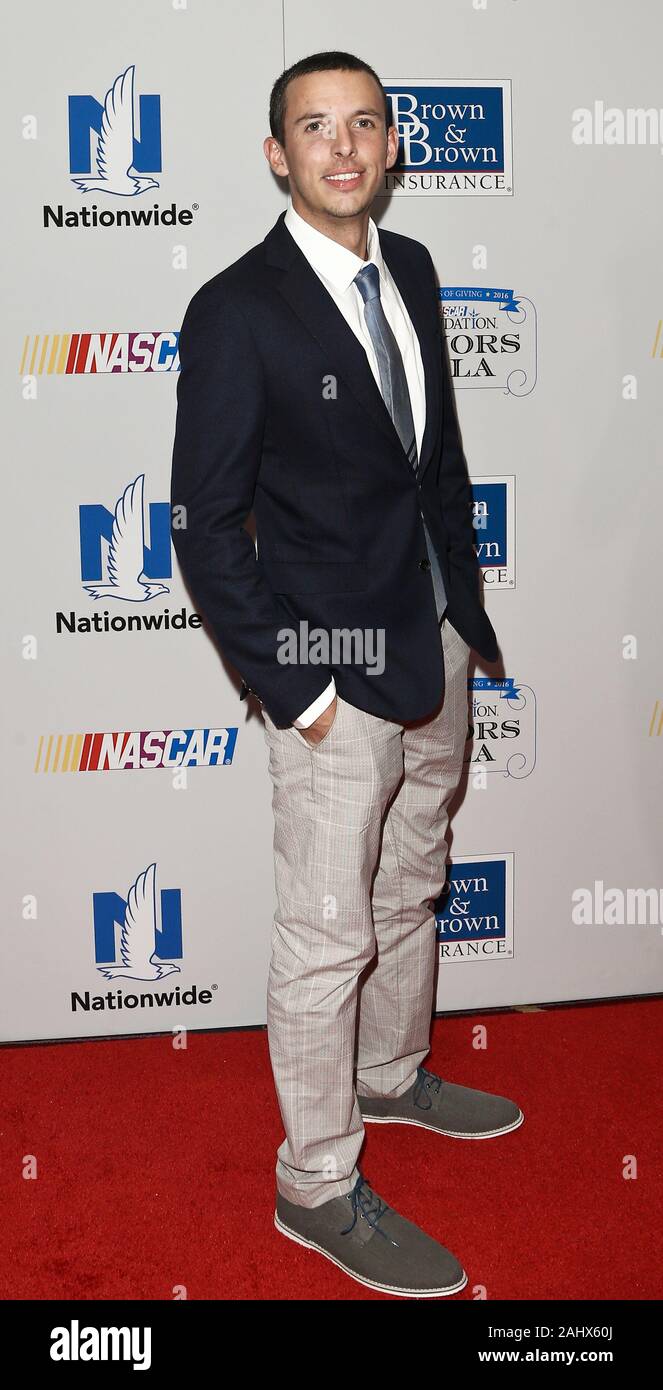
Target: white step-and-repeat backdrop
138 881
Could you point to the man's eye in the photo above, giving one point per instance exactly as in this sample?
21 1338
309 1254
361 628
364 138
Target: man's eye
318 125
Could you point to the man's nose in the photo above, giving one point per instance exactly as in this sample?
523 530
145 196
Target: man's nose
342 140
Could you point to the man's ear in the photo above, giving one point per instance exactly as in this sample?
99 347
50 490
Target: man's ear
392 147
275 156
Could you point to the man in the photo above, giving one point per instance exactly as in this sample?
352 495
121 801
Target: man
314 390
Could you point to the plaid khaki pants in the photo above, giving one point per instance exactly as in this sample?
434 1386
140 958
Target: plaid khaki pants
360 850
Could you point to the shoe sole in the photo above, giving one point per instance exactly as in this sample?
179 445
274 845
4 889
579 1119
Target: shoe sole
453 1134
359 1279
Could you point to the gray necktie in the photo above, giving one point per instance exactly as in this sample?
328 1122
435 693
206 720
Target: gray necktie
396 395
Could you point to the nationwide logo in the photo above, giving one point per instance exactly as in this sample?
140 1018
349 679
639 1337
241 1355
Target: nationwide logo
131 567
503 726
119 154
474 913
125 557
493 518
455 137
131 943
81 354
135 750
491 336
143 947
115 150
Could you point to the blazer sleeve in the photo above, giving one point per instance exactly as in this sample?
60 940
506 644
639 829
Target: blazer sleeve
454 484
221 412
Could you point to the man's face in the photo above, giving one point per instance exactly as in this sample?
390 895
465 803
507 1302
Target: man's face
334 124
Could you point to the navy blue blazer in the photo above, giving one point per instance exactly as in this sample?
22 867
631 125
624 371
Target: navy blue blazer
278 412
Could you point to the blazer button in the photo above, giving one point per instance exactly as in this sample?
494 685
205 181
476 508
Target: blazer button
424 565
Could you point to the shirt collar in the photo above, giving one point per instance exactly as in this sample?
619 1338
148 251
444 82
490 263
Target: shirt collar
328 257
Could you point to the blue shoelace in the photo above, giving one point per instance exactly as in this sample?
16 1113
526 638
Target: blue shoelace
424 1078
366 1203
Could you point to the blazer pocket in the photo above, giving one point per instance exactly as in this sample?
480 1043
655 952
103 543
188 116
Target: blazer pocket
316 576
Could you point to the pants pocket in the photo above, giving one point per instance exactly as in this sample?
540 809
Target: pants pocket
312 746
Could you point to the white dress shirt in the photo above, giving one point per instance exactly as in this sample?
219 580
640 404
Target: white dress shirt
336 267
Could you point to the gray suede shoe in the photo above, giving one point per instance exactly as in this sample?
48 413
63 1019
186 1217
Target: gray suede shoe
441 1105
373 1244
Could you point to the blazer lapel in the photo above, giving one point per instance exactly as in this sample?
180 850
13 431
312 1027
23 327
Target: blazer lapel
316 309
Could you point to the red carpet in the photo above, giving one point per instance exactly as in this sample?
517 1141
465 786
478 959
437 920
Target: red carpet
156 1167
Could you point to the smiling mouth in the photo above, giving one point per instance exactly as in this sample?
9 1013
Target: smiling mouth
347 179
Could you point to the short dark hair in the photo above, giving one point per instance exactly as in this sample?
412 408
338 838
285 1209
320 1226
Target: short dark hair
317 62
